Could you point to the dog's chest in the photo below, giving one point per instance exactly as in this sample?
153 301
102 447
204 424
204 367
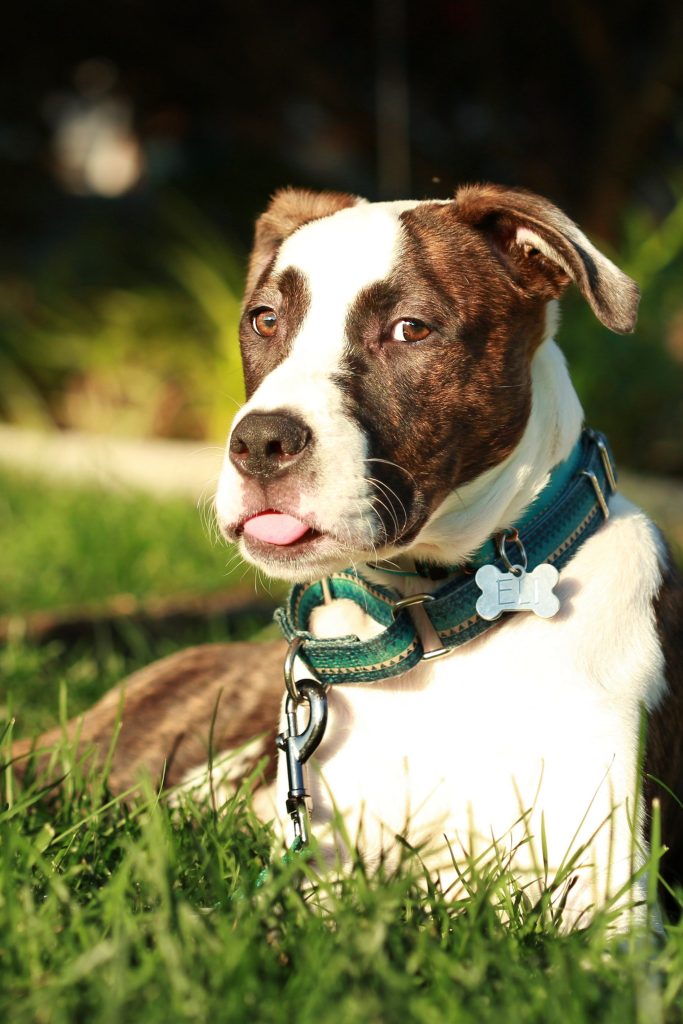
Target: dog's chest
537 716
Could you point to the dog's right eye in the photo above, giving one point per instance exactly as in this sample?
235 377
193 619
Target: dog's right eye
410 330
264 322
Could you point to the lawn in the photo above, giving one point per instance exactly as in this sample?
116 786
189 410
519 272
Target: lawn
69 546
114 911
110 566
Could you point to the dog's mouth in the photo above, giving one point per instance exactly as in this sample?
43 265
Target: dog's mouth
276 532
285 546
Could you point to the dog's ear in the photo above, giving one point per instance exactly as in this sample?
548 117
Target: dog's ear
546 250
289 209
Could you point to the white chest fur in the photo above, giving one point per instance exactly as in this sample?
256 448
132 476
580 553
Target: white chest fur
532 727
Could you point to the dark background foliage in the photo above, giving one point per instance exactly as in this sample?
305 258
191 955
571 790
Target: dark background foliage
220 103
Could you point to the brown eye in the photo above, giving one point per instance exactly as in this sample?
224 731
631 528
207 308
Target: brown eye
410 330
264 322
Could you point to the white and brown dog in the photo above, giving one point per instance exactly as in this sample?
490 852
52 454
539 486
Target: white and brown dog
406 404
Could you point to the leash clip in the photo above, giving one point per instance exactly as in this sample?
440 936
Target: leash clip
298 746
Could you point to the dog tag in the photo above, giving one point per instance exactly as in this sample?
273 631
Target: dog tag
517 591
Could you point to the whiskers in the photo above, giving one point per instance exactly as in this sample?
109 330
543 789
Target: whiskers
234 560
386 497
206 506
394 465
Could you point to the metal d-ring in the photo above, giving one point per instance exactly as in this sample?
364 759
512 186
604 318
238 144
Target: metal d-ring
290 658
408 602
501 541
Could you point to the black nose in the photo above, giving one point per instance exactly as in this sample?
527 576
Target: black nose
265 444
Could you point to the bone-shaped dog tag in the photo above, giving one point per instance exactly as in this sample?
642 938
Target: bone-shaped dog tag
517 592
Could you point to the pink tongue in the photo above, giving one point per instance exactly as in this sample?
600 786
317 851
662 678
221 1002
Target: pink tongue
275 528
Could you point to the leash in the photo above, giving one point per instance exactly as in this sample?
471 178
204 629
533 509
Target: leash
569 509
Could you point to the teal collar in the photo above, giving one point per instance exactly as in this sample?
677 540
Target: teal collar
559 480
569 509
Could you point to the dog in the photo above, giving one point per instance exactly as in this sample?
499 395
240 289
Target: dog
410 432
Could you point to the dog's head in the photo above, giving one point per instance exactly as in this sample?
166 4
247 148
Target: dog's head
387 352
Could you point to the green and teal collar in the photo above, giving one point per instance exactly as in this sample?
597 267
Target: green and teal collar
569 509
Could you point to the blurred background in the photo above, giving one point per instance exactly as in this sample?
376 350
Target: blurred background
139 140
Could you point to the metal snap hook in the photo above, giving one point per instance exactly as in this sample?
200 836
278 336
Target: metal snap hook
311 692
298 747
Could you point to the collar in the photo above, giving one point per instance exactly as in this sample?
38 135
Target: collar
559 480
569 509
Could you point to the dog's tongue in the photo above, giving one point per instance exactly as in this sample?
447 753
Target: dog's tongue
275 528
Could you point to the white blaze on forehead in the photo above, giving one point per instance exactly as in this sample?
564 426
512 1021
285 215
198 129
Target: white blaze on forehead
358 242
339 256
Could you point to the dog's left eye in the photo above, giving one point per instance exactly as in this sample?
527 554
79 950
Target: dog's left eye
410 330
264 322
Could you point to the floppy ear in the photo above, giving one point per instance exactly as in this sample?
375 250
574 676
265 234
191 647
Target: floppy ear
547 250
289 209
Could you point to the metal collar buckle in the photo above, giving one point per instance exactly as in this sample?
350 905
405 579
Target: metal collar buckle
599 443
609 472
422 599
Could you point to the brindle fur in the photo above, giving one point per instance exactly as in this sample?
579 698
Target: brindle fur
166 712
664 755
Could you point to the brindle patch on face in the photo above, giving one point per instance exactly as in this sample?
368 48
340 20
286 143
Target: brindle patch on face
439 412
286 293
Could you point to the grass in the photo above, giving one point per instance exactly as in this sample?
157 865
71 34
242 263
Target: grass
124 911
69 547
112 913
77 545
